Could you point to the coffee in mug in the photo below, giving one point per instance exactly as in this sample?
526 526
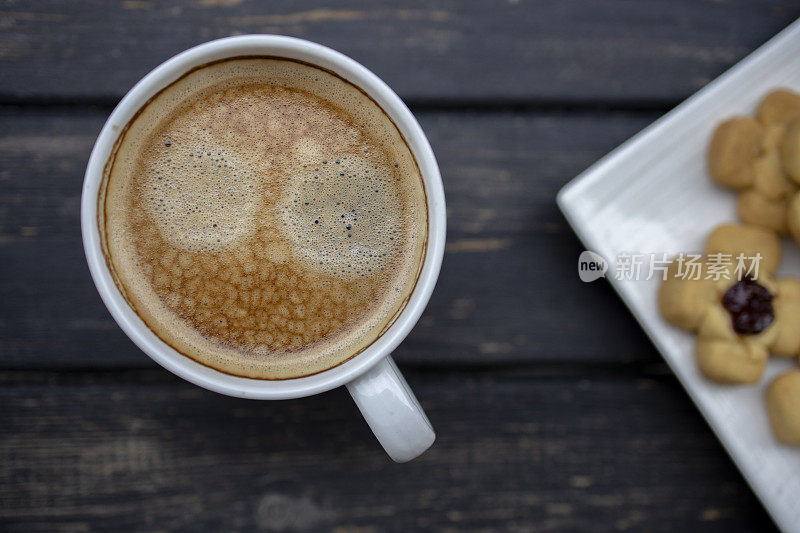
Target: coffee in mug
264 217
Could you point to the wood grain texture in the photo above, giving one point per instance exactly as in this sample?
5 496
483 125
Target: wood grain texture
442 50
553 411
508 291
537 453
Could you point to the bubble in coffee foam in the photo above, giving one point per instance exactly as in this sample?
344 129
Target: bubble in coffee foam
202 198
343 214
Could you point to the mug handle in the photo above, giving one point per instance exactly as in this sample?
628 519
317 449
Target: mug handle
392 411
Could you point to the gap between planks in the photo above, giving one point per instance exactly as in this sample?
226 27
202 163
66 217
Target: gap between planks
501 105
19 376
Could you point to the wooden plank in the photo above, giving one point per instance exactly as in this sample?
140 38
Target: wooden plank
567 51
536 453
507 293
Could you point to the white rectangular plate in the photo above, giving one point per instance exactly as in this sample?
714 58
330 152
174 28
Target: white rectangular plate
653 194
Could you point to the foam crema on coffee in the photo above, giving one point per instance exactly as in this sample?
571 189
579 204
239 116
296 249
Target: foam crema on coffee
343 214
264 217
201 198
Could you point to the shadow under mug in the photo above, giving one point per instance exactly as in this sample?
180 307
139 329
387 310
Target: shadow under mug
377 386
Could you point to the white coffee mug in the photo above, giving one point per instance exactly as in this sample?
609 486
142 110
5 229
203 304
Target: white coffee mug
372 377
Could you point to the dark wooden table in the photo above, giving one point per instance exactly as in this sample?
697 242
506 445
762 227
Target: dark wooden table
553 410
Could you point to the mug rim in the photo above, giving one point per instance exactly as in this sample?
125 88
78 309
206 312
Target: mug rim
279 46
